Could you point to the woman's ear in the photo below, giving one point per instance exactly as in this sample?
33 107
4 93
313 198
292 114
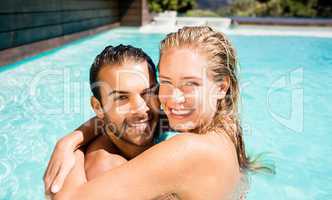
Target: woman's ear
96 106
223 87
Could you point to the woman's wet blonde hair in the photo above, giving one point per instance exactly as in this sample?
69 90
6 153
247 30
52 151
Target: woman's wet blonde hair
222 63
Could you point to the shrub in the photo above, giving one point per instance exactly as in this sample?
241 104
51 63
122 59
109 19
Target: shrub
296 8
201 13
180 6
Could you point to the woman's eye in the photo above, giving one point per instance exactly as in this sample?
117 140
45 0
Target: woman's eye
191 83
165 82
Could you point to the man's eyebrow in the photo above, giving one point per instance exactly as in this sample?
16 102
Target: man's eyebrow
117 92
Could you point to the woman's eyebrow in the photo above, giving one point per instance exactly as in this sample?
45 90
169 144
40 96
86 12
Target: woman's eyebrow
191 77
164 77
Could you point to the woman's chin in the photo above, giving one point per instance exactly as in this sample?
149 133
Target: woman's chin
182 127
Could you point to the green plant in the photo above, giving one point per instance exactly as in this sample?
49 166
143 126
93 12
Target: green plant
201 13
289 8
244 7
154 6
178 5
250 8
303 8
224 11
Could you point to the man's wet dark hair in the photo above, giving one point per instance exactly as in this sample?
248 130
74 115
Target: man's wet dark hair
116 56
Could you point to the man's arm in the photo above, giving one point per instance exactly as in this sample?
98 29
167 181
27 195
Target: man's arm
185 165
63 158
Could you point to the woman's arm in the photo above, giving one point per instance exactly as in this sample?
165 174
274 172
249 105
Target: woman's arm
63 158
83 134
76 176
97 160
191 166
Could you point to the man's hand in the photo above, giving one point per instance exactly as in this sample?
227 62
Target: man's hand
59 166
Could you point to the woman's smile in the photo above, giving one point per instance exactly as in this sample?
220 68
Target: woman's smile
180 113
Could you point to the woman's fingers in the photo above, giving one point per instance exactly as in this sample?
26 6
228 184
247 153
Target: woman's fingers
50 176
46 177
59 166
60 178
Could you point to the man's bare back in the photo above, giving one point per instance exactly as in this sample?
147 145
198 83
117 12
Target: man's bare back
102 155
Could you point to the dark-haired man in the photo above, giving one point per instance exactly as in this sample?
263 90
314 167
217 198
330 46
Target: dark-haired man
123 84
124 87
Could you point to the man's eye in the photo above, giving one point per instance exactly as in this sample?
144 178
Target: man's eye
120 98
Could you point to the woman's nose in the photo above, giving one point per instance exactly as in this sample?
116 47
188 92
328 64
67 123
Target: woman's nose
177 96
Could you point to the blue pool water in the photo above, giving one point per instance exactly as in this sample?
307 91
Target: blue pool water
286 88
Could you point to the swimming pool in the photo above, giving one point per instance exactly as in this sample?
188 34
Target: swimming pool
286 88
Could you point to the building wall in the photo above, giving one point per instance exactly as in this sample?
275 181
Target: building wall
134 12
27 21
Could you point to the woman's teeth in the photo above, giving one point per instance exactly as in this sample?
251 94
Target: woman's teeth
181 112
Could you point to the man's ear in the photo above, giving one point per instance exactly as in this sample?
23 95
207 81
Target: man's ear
96 106
223 87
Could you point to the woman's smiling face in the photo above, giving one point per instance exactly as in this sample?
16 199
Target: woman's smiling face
188 96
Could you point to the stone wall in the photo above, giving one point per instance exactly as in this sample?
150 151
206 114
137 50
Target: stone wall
134 12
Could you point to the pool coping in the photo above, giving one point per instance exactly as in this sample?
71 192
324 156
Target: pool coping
254 30
15 54
255 26
282 21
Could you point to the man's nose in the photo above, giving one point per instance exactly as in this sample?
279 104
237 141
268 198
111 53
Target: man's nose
138 105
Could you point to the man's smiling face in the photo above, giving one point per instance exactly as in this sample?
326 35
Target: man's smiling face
129 101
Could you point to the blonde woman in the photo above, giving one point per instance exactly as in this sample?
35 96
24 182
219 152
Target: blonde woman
199 93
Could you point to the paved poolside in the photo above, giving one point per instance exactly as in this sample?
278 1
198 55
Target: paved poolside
277 30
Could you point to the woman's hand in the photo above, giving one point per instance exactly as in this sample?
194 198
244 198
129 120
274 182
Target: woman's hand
60 164
63 157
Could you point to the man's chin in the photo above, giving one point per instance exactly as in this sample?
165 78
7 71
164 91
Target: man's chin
142 141
140 138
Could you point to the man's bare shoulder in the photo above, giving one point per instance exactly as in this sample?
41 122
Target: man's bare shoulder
101 156
102 143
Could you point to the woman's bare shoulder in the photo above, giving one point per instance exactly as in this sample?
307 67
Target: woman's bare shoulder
209 158
218 150
213 144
